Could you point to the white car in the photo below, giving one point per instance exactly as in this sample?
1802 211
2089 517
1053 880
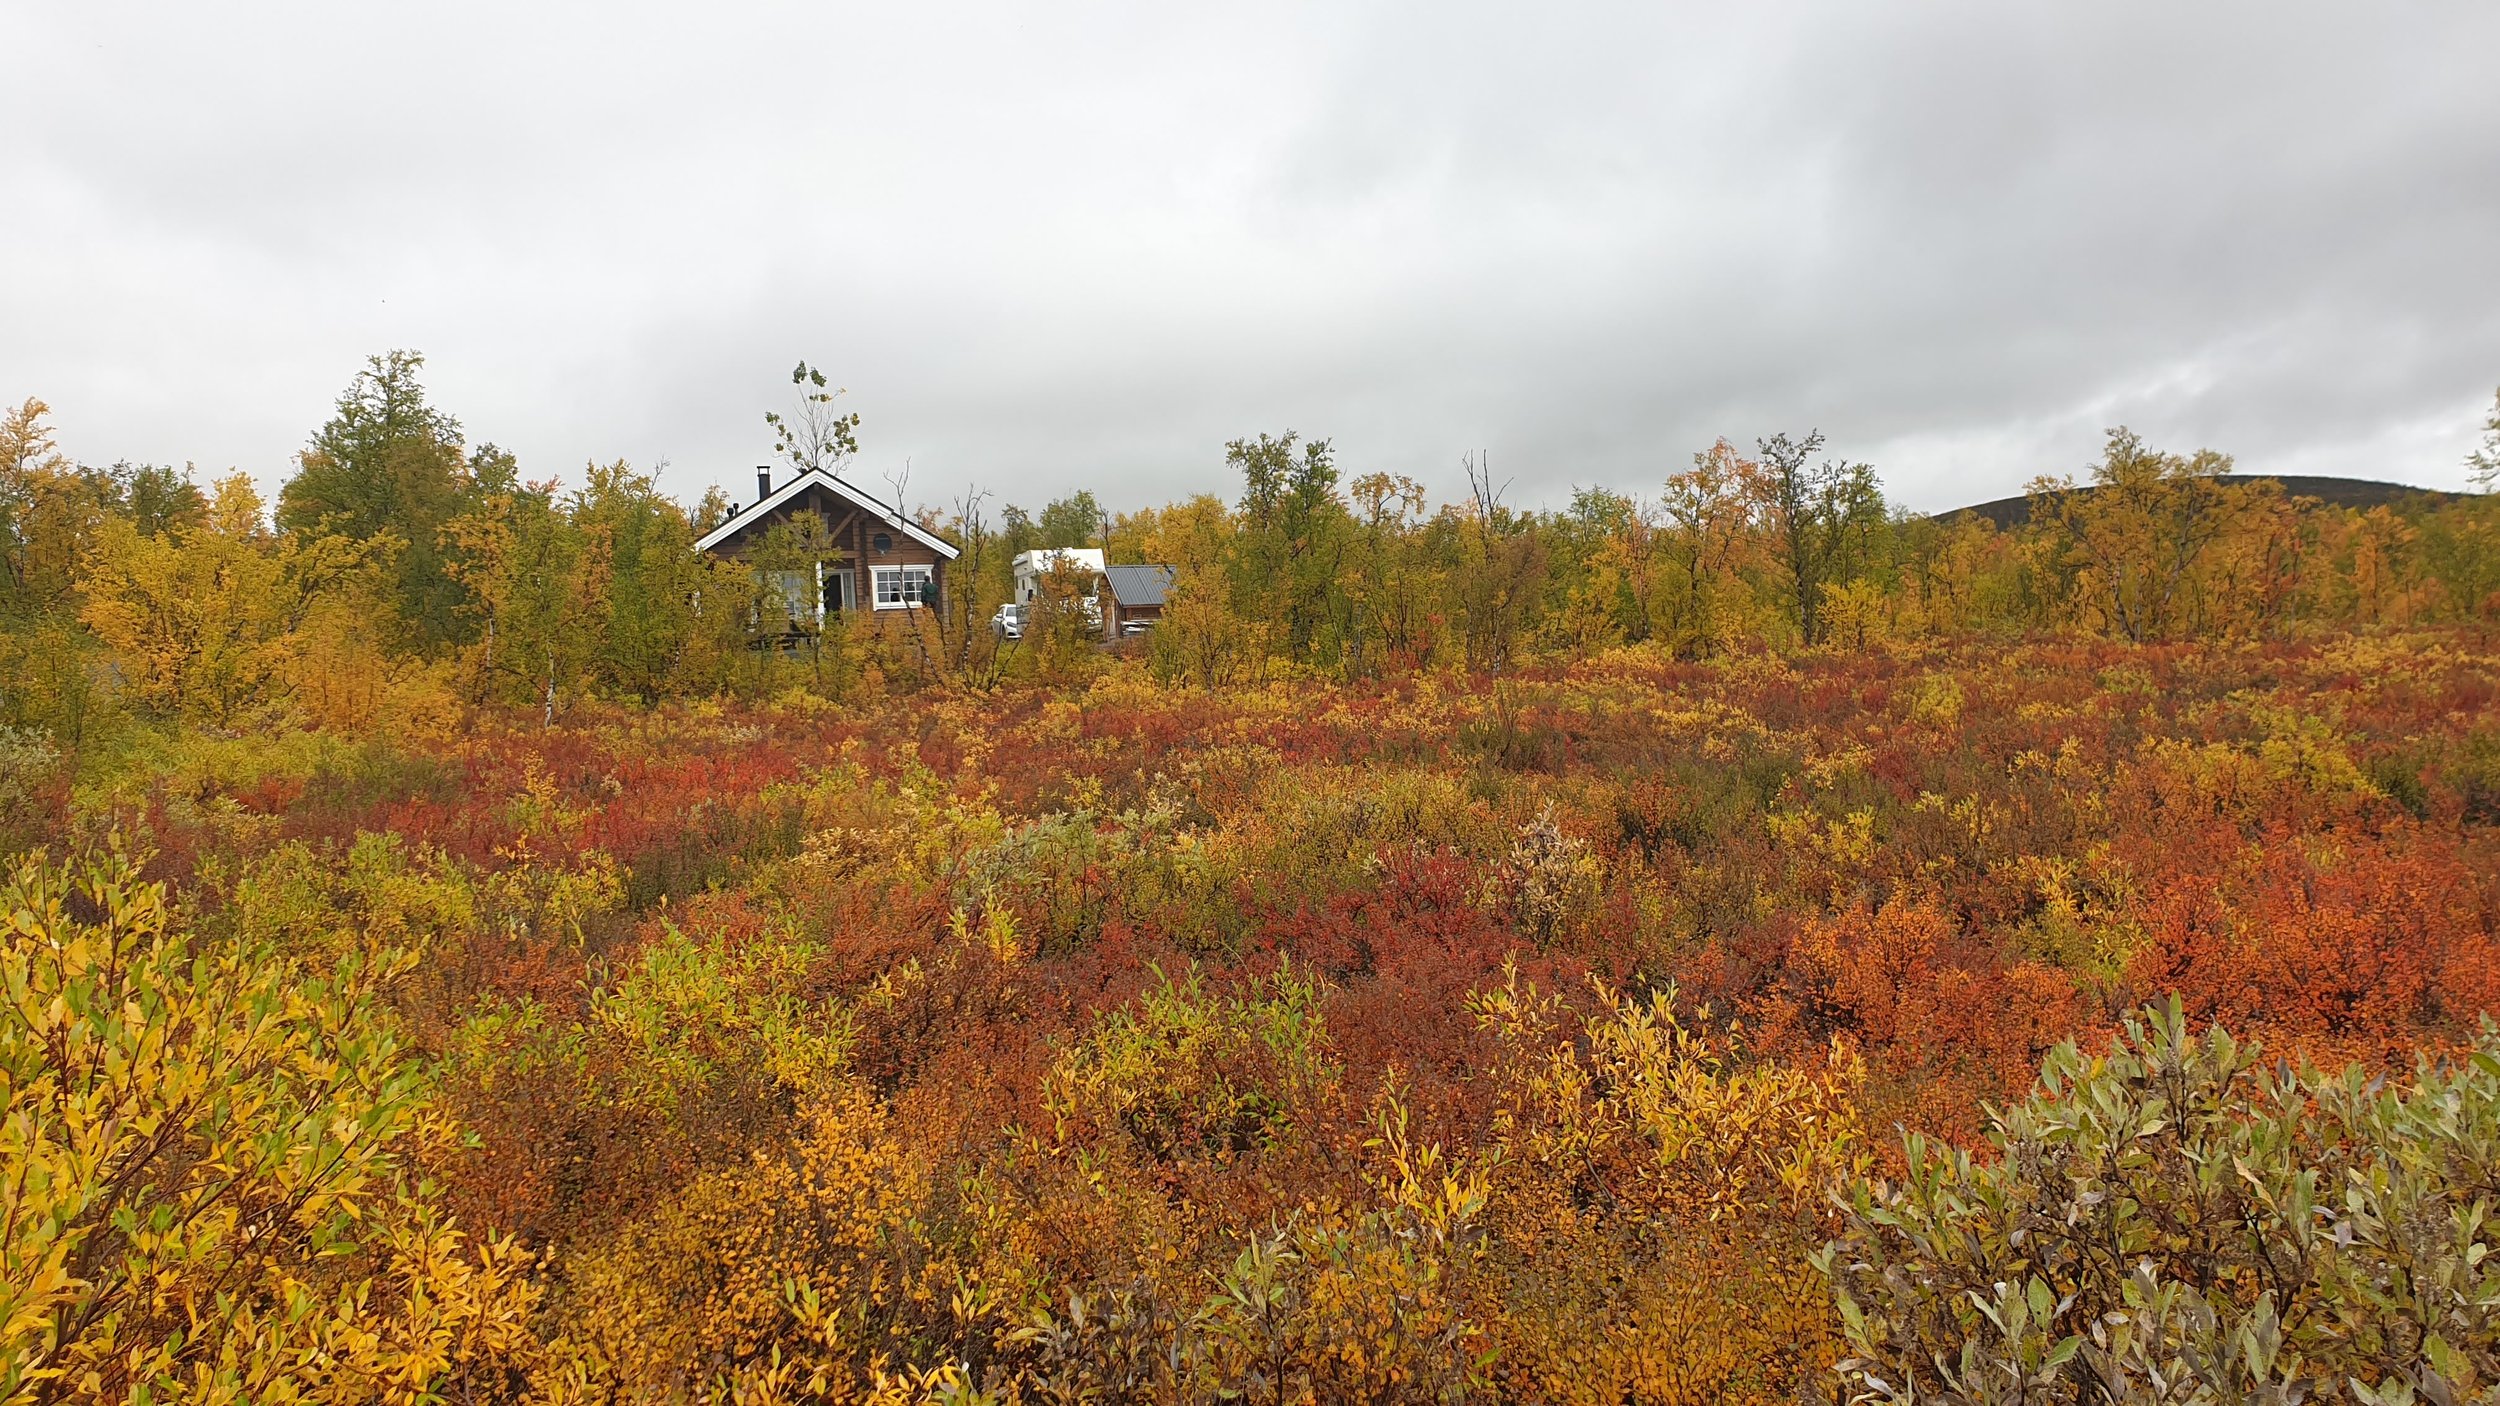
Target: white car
1008 623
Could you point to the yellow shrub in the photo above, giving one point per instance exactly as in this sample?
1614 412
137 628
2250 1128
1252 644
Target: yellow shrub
1188 1073
800 1274
206 1198
1655 1196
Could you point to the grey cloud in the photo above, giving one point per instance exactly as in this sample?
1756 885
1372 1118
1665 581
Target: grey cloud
1051 248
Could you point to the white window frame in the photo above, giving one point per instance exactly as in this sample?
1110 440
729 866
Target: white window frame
906 582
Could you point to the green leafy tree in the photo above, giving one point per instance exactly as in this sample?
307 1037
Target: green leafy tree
2460 552
1074 521
1293 531
643 575
978 581
789 561
1819 516
1500 570
518 555
157 499
1601 551
390 464
1017 533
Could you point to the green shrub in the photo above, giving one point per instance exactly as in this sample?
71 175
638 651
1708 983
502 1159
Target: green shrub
1187 1073
2175 1221
2474 770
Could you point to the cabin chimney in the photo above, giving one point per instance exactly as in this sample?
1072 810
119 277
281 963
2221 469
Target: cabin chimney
763 482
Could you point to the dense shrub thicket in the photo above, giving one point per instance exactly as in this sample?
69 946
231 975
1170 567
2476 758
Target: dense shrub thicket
1417 1041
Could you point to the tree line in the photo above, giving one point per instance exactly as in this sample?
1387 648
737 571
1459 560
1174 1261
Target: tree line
406 572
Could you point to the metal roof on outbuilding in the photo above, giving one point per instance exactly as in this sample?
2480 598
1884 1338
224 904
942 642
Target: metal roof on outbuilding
1138 585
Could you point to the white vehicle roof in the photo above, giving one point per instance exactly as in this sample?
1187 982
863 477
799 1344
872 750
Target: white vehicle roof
1042 559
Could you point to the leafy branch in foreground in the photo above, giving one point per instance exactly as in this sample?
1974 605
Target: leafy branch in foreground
205 1196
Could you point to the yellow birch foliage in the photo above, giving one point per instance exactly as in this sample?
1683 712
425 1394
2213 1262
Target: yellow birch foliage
206 618
343 680
205 1197
2160 545
798 1275
48 512
1655 1196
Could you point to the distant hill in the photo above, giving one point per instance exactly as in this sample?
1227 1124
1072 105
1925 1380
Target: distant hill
2010 513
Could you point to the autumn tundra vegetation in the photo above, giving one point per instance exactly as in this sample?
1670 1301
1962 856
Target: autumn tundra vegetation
1732 942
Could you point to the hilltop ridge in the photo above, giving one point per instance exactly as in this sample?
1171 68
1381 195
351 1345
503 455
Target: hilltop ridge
2010 513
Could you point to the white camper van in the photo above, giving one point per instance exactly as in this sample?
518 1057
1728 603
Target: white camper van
1031 567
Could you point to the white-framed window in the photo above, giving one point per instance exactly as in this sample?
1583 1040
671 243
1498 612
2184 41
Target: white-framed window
899 587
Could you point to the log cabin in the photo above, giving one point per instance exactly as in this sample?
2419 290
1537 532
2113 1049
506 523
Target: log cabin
870 561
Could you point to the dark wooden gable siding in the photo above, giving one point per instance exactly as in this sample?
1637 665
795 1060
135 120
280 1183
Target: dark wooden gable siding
852 532
842 520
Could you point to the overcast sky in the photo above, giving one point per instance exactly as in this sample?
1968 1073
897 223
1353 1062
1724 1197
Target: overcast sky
1051 246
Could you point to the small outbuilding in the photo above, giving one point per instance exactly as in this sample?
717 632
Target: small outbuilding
1132 598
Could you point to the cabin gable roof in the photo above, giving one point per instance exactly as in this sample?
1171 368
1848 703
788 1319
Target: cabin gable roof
763 513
